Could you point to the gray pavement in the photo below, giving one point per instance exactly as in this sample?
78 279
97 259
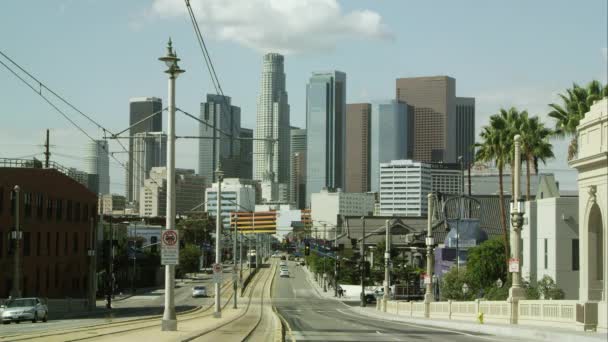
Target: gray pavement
313 317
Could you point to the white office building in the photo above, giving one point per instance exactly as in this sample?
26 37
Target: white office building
237 195
404 186
326 206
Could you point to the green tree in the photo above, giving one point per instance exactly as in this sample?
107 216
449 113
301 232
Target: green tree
196 229
575 103
495 147
547 289
451 286
189 258
535 146
485 264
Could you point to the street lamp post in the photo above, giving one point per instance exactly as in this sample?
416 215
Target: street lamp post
169 322
387 257
516 292
336 262
324 253
362 251
234 262
16 291
219 175
428 279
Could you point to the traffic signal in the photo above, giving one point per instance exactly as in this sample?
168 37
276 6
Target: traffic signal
307 249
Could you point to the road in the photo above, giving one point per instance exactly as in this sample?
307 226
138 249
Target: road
313 318
141 305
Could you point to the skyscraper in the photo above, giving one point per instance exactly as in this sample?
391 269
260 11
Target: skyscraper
140 110
149 150
97 161
246 153
358 147
434 102
325 121
392 136
272 122
221 119
298 167
465 129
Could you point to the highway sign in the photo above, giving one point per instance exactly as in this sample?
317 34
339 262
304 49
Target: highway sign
169 247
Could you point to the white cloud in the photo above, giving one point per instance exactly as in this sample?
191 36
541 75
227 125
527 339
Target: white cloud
286 26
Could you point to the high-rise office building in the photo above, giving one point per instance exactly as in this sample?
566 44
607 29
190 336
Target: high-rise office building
97 161
246 153
222 125
465 129
298 167
325 125
272 122
392 136
149 150
444 124
358 147
141 120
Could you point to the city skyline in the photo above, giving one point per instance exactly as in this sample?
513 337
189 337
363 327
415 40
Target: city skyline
478 67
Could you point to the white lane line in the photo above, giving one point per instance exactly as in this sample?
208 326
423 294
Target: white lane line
419 326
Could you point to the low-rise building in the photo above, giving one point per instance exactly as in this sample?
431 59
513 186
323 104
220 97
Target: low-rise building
237 195
189 192
57 218
327 206
111 204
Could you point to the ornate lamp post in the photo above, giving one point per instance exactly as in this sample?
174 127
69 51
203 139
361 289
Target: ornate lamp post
169 322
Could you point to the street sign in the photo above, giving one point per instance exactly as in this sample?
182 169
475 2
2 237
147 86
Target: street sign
169 247
513 265
427 279
217 273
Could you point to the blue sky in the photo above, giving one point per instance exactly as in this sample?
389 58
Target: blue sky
98 54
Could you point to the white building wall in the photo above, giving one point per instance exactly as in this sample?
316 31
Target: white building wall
404 186
326 206
236 196
529 262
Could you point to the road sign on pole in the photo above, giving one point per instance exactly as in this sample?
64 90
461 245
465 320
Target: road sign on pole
169 247
217 273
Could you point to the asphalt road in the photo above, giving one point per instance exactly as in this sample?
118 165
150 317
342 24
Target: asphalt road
141 305
312 318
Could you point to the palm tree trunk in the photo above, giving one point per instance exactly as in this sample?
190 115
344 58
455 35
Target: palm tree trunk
503 215
528 158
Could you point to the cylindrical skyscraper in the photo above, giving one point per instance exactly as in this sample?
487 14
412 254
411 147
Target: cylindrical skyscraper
272 122
97 161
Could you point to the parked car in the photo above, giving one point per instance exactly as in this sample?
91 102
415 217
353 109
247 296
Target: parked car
199 291
284 273
24 309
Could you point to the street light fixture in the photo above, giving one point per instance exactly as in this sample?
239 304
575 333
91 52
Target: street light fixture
465 289
169 322
499 283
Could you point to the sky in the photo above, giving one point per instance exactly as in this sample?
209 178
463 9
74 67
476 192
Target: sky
98 54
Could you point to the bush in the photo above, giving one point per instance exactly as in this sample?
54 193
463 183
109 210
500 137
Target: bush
547 289
486 264
451 286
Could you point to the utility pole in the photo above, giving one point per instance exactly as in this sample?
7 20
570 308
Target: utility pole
516 292
92 266
387 257
459 216
362 250
16 291
112 278
324 253
336 262
169 322
234 262
47 153
241 259
428 295
219 176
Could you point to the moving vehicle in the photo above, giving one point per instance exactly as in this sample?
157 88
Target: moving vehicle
284 273
283 263
199 291
24 309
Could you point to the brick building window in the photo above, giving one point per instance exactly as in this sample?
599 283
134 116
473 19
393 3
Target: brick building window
65 247
49 208
86 242
56 275
75 244
77 212
48 278
27 204
39 205
1 245
26 243
85 212
1 199
13 195
57 244
58 209
68 211
38 244
48 244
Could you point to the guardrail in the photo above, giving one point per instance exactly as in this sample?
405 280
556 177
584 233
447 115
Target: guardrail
556 313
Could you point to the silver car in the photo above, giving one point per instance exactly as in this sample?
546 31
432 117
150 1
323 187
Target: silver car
199 291
24 309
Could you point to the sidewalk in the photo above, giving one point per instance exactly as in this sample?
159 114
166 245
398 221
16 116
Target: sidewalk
532 333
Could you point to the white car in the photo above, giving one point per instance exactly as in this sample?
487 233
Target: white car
283 263
24 309
284 273
199 291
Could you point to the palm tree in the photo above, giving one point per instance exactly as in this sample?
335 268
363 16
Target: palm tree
576 102
535 145
495 146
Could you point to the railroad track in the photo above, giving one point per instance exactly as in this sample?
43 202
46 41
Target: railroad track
148 321
237 320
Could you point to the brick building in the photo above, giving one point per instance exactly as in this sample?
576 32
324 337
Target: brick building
57 217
